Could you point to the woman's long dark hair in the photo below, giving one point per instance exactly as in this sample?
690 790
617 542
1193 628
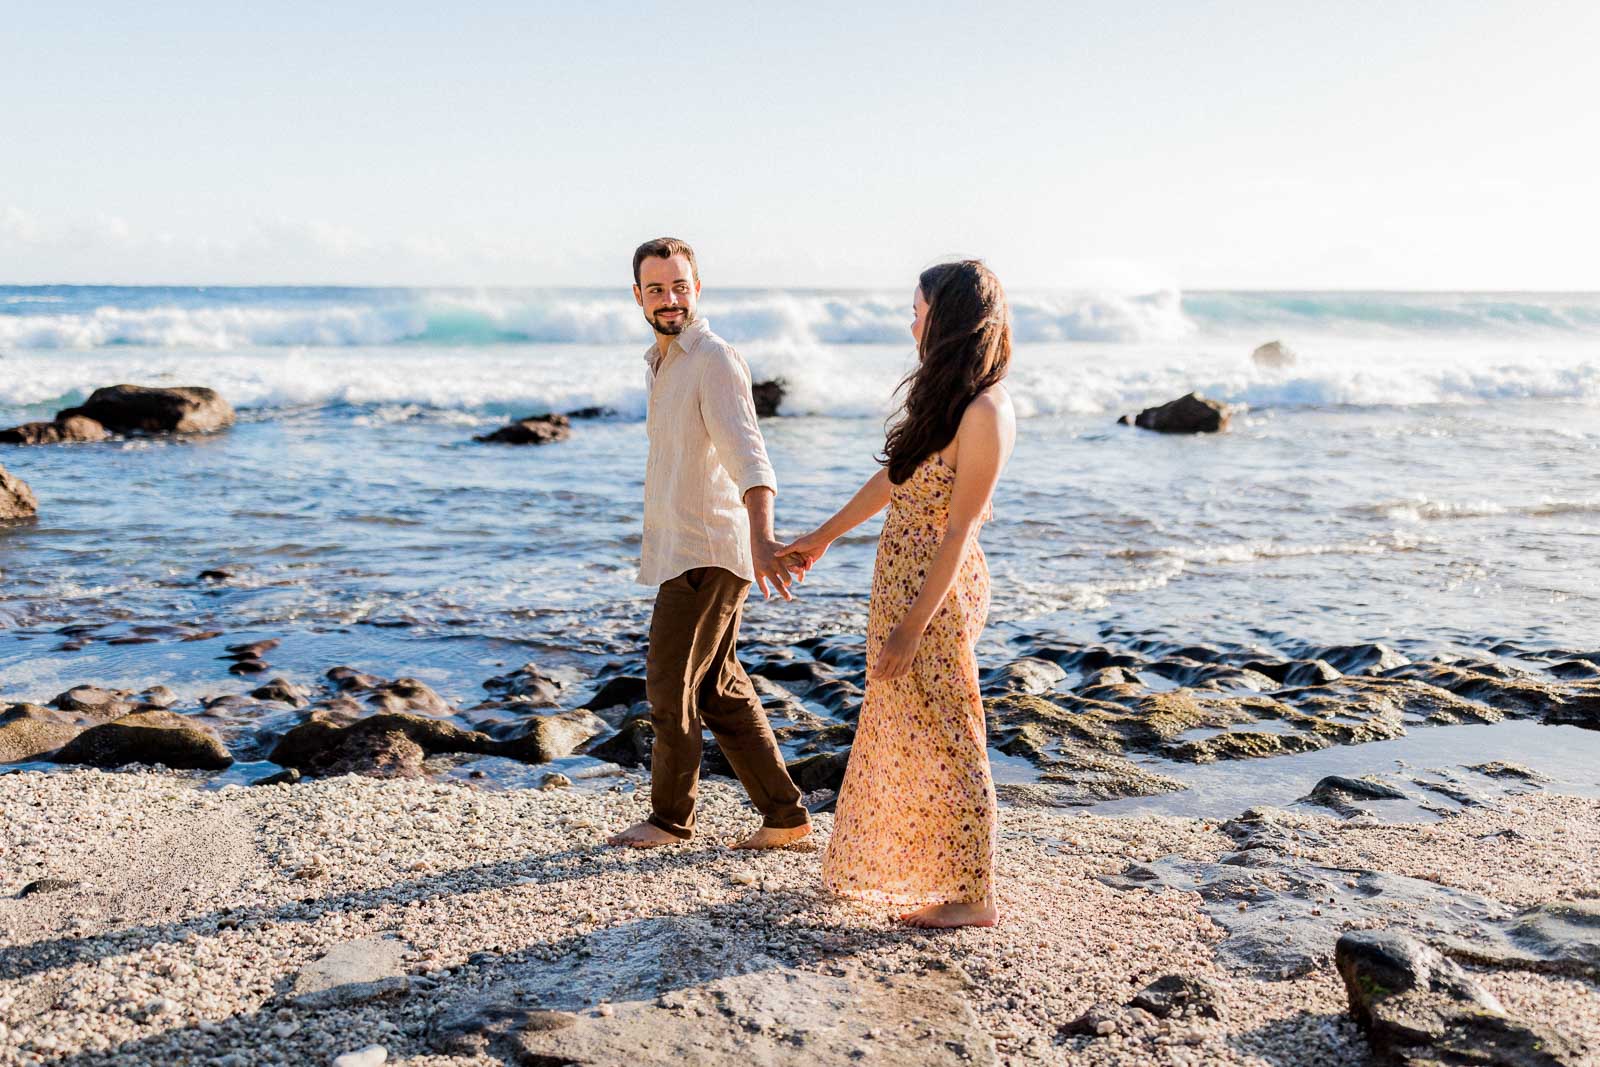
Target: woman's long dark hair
966 348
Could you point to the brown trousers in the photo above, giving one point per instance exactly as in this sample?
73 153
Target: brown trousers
693 677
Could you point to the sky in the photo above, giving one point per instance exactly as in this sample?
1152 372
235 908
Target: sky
1090 145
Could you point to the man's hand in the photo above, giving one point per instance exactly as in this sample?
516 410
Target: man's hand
803 552
770 567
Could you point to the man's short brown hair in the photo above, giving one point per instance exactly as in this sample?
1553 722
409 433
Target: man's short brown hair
665 248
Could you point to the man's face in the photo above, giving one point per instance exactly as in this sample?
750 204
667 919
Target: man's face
668 292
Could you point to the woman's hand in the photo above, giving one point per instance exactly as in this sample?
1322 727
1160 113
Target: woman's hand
898 651
803 552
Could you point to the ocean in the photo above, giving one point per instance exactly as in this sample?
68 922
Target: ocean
1425 475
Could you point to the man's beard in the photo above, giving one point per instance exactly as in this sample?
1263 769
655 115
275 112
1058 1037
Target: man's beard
671 329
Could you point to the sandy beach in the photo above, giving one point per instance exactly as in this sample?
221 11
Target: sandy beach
167 923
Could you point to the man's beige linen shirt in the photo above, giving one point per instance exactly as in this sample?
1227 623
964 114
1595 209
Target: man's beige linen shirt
706 452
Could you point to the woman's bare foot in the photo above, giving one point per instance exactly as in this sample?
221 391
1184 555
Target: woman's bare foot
770 837
948 916
644 835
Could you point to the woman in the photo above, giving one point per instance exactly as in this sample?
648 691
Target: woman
916 812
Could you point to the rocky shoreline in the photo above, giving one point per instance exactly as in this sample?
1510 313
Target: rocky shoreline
145 919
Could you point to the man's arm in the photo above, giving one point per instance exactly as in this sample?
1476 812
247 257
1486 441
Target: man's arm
763 547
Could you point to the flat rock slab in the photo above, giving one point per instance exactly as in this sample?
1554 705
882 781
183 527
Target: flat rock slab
351 973
778 1017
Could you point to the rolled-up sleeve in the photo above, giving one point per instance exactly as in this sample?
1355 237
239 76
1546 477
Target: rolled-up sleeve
729 411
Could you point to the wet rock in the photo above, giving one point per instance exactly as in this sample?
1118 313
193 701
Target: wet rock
289 776
768 397
352 973
249 666
630 746
158 696
1181 994
375 744
527 683
825 770
1362 659
137 409
252 649
533 430
284 692
94 703
1244 744
548 737
147 737
1575 670
623 690
1338 792
214 575
346 679
28 731
1273 355
1190 413
554 780
1576 709
1502 769
1027 675
65 429
591 413
793 670
1420 1009
407 695
16 499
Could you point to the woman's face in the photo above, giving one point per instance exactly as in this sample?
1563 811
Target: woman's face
920 304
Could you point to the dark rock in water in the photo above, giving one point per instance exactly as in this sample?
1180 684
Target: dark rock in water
283 691
65 429
1180 994
1420 1009
533 430
591 413
1502 769
768 396
1575 669
1273 355
824 770
1576 709
251 649
28 731
407 695
347 678
1190 413
249 666
1245 744
214 575
1363 659
1336 792
548 737
375 744
714 761
630 746
158 696
16 499
793 670
137 409
285 777
147 737
46 885
1027 675
92 702
527 683
623 690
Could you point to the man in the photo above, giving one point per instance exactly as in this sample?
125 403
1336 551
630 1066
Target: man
708 492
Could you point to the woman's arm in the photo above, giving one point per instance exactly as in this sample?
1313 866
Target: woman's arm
982 443
868 501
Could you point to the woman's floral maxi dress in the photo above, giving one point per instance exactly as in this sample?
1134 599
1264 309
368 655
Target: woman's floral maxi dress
916 812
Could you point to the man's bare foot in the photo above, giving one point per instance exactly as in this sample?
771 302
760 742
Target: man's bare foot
770 837
644 835
948 916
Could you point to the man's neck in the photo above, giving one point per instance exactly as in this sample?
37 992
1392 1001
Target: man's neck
663 345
